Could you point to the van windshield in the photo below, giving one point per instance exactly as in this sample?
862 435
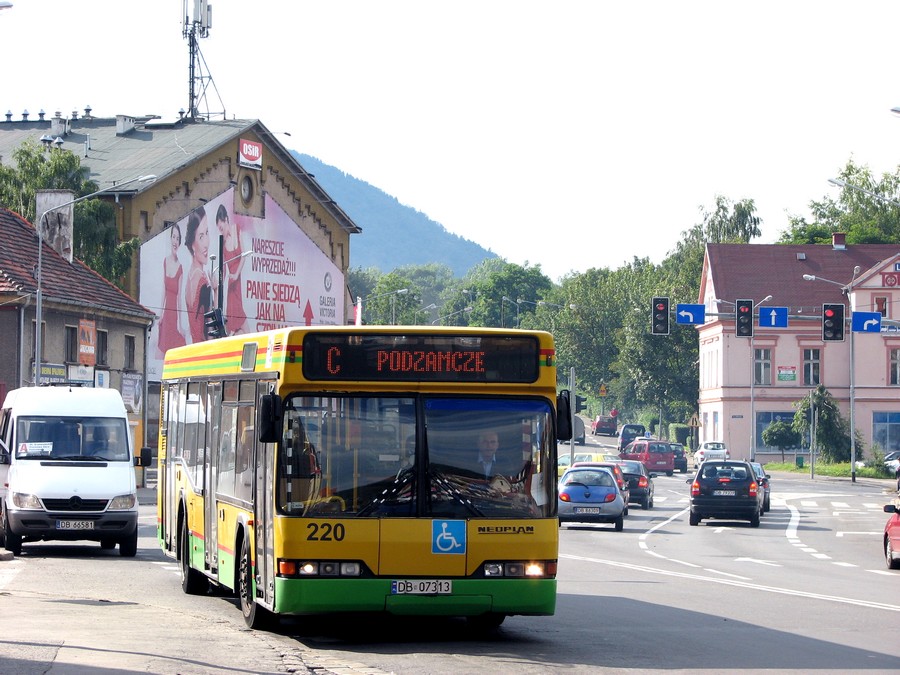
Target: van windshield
72 438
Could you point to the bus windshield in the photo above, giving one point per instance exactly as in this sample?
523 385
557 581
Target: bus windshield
72 438
428 456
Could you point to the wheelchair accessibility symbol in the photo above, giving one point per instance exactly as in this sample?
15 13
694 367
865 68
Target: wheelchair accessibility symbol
448 536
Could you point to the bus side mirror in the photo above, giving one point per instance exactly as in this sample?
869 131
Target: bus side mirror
268 418
145 458
563 416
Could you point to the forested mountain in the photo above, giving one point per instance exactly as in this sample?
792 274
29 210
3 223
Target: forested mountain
393 235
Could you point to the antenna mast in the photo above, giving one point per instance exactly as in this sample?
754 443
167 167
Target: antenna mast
197 22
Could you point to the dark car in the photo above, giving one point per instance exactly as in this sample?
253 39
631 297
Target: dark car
763 479
629 432
726 489
604 424
640 483
892 536
578 430
590 495
679 458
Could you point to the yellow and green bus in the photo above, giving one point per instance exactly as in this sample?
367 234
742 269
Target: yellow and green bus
336 469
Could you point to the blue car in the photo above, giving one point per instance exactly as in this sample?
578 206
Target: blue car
590 495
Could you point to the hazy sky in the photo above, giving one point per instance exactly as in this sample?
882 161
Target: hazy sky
567 134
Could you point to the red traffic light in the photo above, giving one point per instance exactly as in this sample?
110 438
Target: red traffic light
829 313
743 309
660 306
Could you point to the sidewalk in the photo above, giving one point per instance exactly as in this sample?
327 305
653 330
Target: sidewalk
887 484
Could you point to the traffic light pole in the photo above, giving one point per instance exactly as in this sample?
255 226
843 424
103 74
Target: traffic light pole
572 421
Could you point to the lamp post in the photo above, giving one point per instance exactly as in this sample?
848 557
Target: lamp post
393 294
422 309
847 289
465 310
38 304
752 378
512 302
544 303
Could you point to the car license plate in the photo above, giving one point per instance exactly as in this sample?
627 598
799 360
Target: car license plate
422 587
723 493
582 510
74 524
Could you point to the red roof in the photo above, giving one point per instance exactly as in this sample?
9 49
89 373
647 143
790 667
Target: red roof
63 281
753 271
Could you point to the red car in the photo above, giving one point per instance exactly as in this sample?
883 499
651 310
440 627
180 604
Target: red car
656 455
892 536
604 424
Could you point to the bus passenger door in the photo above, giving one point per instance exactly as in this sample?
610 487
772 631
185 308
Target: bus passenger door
175 402
211 508
264 511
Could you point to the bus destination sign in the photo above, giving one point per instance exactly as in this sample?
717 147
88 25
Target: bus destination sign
414 357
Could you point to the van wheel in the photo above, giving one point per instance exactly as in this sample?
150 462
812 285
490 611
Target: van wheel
669 473
107 544
128 546
192 582
12 541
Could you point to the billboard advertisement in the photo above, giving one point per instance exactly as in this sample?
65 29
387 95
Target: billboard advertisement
273 276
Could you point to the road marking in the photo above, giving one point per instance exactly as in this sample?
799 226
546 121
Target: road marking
821 556
841 534
843 564
805 502
9 572
742 584
725 574
840 505
759 562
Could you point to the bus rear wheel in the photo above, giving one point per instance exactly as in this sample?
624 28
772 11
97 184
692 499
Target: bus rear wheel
192 582
255 617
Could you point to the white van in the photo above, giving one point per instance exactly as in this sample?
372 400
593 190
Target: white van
68 458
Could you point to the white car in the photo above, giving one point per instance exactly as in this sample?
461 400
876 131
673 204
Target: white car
710 450
892 462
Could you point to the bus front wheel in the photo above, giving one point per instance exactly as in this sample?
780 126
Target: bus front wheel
255 617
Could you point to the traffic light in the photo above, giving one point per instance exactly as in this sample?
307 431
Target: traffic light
659 316
580 403
743 314
214 324
832 322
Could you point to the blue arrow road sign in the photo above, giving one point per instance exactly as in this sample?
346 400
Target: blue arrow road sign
773 317
690 314
865 322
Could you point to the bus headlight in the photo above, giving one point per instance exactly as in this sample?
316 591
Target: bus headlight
519 569
319 568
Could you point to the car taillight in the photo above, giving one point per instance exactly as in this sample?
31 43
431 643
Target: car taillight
563 497
695 488
642 482
753 488
610 497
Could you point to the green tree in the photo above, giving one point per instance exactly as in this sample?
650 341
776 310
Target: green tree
95 239
781 435
867 213
832 437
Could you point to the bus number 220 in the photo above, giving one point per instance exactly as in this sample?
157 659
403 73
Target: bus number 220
325 532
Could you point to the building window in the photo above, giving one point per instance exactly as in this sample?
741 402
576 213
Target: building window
762 366
102 348
71 344
895 366
886 430
881 306
811 367
145 221
129 352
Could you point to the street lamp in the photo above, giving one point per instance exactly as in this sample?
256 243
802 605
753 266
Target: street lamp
422 309
847 289
38 305
874 195
459 311
513 302
393 294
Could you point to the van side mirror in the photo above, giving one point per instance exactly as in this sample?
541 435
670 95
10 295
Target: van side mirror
4 456
268 418
145 458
